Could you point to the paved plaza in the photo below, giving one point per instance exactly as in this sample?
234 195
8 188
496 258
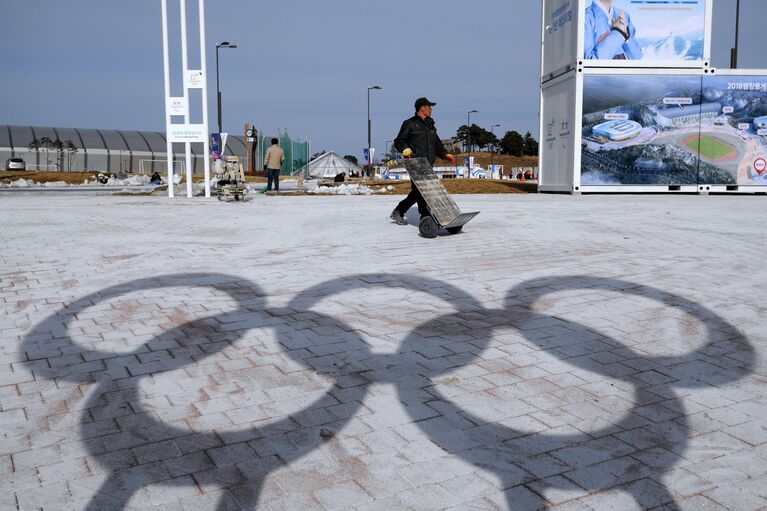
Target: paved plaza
302 353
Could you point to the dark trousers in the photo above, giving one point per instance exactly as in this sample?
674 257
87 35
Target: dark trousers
273 175
413 197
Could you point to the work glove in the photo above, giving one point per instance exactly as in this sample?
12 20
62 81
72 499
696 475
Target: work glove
407 153
450 158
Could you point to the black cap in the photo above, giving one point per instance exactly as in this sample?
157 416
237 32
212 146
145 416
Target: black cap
422 102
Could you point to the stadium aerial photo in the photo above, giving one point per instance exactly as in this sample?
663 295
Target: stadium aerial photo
674 130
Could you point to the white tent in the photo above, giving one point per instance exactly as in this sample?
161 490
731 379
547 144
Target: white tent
328 165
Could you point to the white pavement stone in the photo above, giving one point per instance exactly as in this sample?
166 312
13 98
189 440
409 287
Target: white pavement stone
573 353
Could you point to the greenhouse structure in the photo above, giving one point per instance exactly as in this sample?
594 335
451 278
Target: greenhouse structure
125 151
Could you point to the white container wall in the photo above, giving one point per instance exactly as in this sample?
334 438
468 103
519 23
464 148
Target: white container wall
559 143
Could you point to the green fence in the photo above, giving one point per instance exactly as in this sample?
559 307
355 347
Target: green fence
296 152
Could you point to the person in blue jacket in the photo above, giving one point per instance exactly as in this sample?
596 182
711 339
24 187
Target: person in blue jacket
609 33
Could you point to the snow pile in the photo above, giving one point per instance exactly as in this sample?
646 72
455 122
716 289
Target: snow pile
139 180
50 184
343 189
23 183
347 189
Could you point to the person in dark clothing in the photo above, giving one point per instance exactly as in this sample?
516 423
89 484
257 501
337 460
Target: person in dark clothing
418 138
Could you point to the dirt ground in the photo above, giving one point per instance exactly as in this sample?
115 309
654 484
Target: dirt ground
457 186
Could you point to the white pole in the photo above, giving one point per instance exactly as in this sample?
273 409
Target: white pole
184 68
203 67
166 70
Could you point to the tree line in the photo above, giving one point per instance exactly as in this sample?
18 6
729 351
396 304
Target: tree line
512 142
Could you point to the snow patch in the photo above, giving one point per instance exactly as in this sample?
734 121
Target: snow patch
344 189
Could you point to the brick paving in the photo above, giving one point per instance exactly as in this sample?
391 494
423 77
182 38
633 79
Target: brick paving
563 353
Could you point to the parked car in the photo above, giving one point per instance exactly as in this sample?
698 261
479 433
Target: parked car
15 164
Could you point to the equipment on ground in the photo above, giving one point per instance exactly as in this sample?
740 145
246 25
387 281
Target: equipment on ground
230 178
444 211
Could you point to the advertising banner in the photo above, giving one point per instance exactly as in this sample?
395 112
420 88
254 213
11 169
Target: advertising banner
642 129
674 130
650 31
735 143
215 145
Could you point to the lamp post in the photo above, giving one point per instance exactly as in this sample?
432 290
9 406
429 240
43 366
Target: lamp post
370 87
734 51
224 44
468 138
492 151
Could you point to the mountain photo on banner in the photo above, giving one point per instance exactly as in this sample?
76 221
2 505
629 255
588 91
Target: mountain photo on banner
657 30
670 31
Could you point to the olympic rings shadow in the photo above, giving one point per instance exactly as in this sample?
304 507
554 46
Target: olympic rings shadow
432 349
519 457
115 451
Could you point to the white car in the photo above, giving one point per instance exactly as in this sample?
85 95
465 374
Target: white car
15 164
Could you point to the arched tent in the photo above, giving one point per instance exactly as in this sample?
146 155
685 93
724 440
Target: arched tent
327 166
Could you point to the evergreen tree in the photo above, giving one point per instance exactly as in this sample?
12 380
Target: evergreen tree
513 144
530 145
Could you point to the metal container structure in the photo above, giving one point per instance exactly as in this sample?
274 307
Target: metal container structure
630 102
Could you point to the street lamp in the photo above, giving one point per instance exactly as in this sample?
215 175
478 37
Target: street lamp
224 44
468 138
734 51
492 150
370 87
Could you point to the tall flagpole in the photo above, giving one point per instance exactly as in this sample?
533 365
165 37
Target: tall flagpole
184 72
166 70
204 69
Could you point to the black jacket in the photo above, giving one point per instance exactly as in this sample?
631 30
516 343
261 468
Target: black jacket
420 135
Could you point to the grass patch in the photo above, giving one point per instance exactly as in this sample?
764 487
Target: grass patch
710 147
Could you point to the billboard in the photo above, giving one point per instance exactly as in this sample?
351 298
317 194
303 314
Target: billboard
736 141
642 130
674 130
644 30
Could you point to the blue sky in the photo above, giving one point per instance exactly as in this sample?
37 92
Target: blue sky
303 66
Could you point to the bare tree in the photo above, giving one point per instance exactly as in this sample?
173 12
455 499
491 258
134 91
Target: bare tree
71 149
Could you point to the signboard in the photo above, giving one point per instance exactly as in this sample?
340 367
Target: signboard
734 143
680 130
177 106
654 139
644 30
194 79
187 133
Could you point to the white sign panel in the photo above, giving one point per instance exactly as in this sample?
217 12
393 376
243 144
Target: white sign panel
194 79
559 35
187 133
177 106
